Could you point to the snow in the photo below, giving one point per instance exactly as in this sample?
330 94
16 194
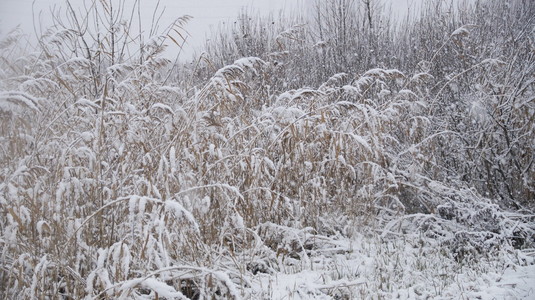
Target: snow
163 107
153 284
301 285
15 100
86 102
358 268
514 282
179 211
461 31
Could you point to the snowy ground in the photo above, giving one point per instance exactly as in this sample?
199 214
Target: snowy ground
300 264
366 268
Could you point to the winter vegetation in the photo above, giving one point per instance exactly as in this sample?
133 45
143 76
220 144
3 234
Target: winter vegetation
342 155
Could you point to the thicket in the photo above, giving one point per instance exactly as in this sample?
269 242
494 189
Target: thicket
127 175
476 62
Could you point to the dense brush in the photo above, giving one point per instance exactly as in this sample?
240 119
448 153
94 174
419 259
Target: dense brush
120 182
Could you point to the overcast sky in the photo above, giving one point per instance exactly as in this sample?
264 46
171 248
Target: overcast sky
207 14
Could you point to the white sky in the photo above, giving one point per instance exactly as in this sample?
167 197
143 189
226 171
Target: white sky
207 14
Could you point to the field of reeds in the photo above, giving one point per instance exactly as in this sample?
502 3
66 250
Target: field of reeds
345 155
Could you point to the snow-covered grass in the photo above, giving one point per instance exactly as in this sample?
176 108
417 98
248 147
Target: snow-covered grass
123 180
401 268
